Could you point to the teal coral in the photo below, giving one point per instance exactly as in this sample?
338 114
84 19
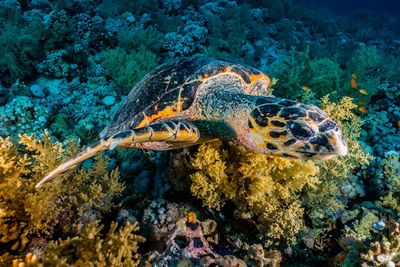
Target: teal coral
22 115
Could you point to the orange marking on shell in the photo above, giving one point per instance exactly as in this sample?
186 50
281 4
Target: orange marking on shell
254 78
167 112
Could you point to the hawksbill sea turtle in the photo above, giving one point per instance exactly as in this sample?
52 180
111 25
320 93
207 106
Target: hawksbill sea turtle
194 100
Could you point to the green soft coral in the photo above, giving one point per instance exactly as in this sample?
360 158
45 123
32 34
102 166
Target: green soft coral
26 212
266 187
135 56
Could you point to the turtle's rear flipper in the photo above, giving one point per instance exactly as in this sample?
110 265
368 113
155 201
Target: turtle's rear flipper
168 131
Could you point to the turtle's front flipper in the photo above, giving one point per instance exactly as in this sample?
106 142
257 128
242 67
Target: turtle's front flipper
167 131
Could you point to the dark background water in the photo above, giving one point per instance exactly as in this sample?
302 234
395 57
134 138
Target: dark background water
349 7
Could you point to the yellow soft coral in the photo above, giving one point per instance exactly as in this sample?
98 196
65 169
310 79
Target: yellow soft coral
266 187
26 212
91 248
276 190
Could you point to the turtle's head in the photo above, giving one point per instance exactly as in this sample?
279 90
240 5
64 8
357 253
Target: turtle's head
293 130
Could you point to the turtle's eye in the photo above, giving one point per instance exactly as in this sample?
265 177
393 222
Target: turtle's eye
301 130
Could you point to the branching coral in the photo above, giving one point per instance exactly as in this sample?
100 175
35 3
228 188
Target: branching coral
26 212
91 248
267 187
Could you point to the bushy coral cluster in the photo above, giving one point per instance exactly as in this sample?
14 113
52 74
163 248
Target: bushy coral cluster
90 246
263 187
81 198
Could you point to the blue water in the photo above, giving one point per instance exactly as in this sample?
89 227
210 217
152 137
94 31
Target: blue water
351 7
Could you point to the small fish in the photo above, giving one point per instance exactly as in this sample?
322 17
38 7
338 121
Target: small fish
362 109
398 124
305 88
353 83
362 91
355 116
362 102
355 76
297 99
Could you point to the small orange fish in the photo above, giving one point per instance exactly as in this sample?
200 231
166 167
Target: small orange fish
398 124
297 99
355 116
362 102
362 91
355 76
353 83
362 109
305 88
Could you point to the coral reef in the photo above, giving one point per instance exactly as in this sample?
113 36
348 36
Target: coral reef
134 57
66 65
262 186
91 247
27 213
384 250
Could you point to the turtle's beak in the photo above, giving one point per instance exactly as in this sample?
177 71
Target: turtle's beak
329 144
339 143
